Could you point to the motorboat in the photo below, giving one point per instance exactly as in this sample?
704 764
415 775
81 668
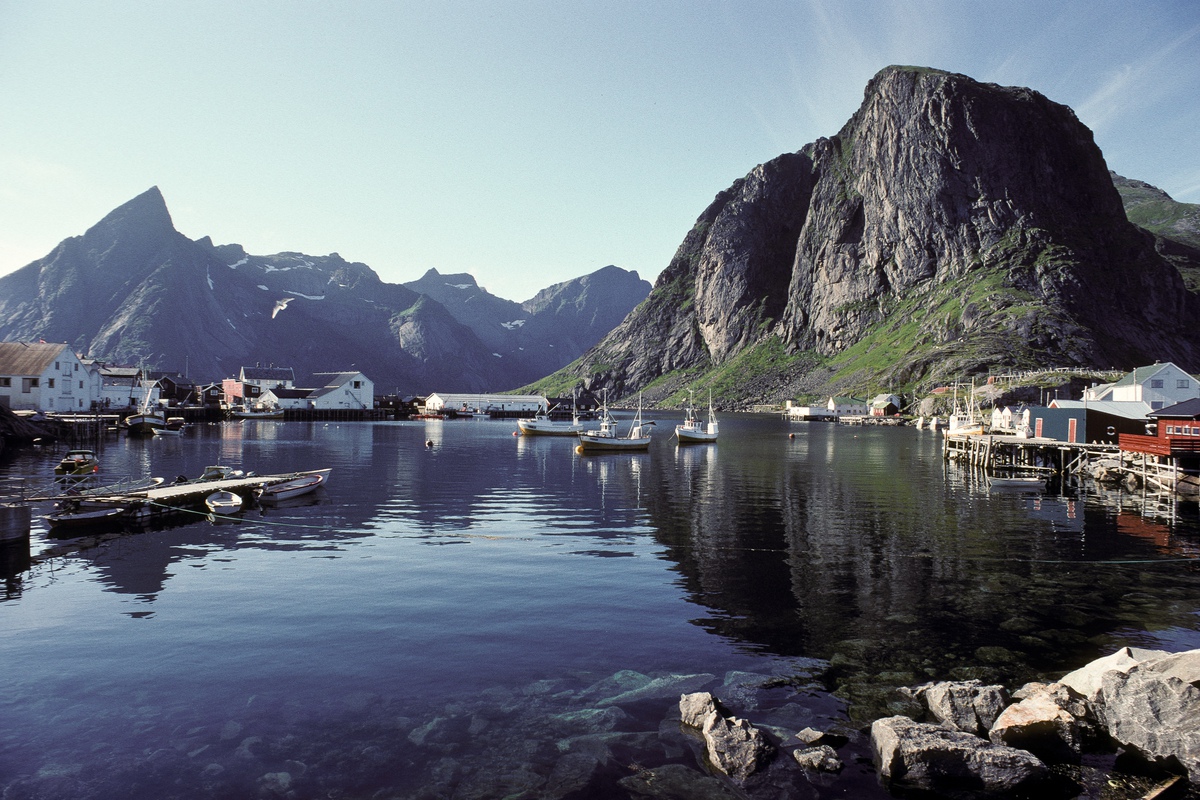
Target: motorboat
174 427
223 502
302 484
78 463
693 430
81 514
606 438
257 412
542 424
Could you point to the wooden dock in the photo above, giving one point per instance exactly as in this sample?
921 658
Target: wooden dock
147 503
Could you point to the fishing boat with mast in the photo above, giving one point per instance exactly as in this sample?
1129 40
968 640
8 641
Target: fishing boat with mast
147 419
606 438
542 424
693 430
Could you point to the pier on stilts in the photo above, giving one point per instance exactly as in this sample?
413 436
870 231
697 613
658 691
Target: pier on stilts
998 452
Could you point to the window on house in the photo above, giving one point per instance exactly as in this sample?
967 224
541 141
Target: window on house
50 383
81 384
358 384
5 381
1156 405
1182 383
56 365
28 384
1156 383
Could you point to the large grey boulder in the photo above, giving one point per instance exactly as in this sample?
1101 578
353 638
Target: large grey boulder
933 758
967 706
734 746
1087 679
1154 709
1055 722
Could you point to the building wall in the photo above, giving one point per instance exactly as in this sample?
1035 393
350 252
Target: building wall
1168 386
65 386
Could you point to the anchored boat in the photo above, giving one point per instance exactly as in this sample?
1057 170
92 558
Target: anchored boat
606 437
693 430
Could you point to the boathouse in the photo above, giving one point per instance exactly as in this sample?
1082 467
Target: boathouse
1105 420
500 404
885 405
841 406
1169 455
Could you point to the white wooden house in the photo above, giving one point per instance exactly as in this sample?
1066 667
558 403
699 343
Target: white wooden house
885 405
847 406
1157 385
39 376
343 390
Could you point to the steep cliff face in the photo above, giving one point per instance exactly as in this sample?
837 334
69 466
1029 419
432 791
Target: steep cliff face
949 227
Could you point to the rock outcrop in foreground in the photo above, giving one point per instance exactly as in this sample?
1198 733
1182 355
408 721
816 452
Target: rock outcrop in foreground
1146 702
950 226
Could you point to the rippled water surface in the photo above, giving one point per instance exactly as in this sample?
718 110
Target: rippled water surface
497 616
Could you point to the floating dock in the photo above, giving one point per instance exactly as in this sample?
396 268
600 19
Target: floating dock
147 503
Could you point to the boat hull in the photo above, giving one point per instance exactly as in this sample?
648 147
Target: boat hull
145 424
695 434
296 487
589 443
538 427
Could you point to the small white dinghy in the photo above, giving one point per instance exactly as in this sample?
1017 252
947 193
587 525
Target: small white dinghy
223 502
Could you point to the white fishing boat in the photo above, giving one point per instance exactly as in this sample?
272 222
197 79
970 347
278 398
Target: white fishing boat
174 427
147 419
607 438
542 425
966 421
693 430
300 485
223 502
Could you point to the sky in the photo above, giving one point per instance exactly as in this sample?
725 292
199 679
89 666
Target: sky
525 143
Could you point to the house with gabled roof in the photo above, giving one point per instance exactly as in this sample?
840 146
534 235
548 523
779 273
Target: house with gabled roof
1158 385
41 376
267 377
343 390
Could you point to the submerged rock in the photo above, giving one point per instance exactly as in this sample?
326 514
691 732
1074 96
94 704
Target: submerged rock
821 759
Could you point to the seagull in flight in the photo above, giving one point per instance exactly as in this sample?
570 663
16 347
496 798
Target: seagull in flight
280 305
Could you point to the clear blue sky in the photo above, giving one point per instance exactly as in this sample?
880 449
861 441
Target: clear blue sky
523 142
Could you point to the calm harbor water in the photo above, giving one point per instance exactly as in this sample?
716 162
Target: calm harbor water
498 616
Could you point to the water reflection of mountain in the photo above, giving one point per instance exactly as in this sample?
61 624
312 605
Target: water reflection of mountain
854 545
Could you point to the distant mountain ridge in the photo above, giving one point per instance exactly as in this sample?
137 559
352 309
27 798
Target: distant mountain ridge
133 289
950 228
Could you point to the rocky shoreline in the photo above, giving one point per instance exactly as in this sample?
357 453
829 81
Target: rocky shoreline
977 740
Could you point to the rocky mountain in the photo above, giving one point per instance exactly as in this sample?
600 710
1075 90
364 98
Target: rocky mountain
1176 225
133 289
544 333
950 228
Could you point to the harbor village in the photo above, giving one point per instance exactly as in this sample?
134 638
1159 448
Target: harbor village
1137 434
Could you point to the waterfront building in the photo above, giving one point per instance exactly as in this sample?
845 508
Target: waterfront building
486 403
343 390
40 376
1158 385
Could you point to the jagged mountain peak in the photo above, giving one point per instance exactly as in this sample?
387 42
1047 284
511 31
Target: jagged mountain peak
146 212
